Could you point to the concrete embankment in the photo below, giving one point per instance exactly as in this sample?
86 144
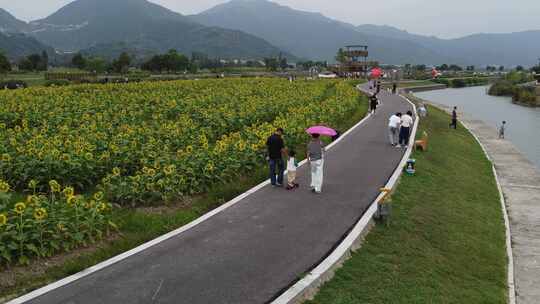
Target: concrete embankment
520 183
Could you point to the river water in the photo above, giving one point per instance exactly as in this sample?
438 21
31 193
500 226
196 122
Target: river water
523 123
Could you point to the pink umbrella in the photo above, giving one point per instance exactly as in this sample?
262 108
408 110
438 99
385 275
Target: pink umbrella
376 72
322 130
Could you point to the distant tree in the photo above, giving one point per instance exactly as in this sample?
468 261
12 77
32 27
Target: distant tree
5 66
419 67
490 68
95 64
121 64
32 62
272 64
175 62
78 61
170 62
283 64
443 67
470 68
340 56
455 68
501 68
44 63
520 68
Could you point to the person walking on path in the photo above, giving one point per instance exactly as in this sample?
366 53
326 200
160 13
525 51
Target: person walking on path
393 128
276 146
373 102
502 130
405 131
453 124
394 88
315 156
292 164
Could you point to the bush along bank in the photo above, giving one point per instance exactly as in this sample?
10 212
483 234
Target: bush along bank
445 241
463 82
513 86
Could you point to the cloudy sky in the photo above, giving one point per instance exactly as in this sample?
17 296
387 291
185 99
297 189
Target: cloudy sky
433 17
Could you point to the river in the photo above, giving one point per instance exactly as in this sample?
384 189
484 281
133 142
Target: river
523 123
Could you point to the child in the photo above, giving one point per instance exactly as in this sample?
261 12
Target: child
292 164
502 129
373 102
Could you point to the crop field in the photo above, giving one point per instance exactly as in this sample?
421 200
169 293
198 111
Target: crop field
68 154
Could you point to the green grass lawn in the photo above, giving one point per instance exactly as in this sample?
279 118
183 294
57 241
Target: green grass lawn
141 225
446 239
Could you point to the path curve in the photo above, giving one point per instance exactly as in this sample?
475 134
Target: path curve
253 250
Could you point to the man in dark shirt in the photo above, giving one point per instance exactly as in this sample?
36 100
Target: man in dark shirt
275 147
453 124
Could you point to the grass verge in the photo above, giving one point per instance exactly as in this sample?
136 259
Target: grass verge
446 239
138 226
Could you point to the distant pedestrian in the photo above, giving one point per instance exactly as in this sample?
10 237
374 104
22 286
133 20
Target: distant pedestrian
502 130
422 110
315 156
394 88
276 146
405 131
378 87
393 128
453 124
292 164
373 102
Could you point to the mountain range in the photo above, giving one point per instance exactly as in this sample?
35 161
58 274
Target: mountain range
251 29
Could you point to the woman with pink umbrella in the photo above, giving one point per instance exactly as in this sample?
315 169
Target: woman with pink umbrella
315 155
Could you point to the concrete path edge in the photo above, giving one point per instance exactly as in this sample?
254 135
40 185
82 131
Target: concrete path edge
307 287
65 281
509 254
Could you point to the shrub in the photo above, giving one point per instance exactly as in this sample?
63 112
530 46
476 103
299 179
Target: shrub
57 83
13 84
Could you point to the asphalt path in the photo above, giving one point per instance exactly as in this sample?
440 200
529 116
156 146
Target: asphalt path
255 249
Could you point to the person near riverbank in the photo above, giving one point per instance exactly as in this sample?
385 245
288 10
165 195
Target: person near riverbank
453 124
373 102
292 164
502 130
276 146
422 110
394 88
315 156
393 128
405 131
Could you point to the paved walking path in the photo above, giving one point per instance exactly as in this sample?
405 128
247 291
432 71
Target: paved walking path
520 183
255 249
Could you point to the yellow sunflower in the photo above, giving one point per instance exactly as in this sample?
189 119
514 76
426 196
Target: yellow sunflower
71 200
116 171
40 214
168 170
6 157
55 186
68 191
4 186
98 196
19 208
3 219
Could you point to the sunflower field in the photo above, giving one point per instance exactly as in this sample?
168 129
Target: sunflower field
137 144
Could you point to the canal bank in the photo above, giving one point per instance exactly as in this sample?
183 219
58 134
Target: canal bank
519 180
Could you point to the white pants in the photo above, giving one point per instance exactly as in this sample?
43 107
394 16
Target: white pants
393 134
317 167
